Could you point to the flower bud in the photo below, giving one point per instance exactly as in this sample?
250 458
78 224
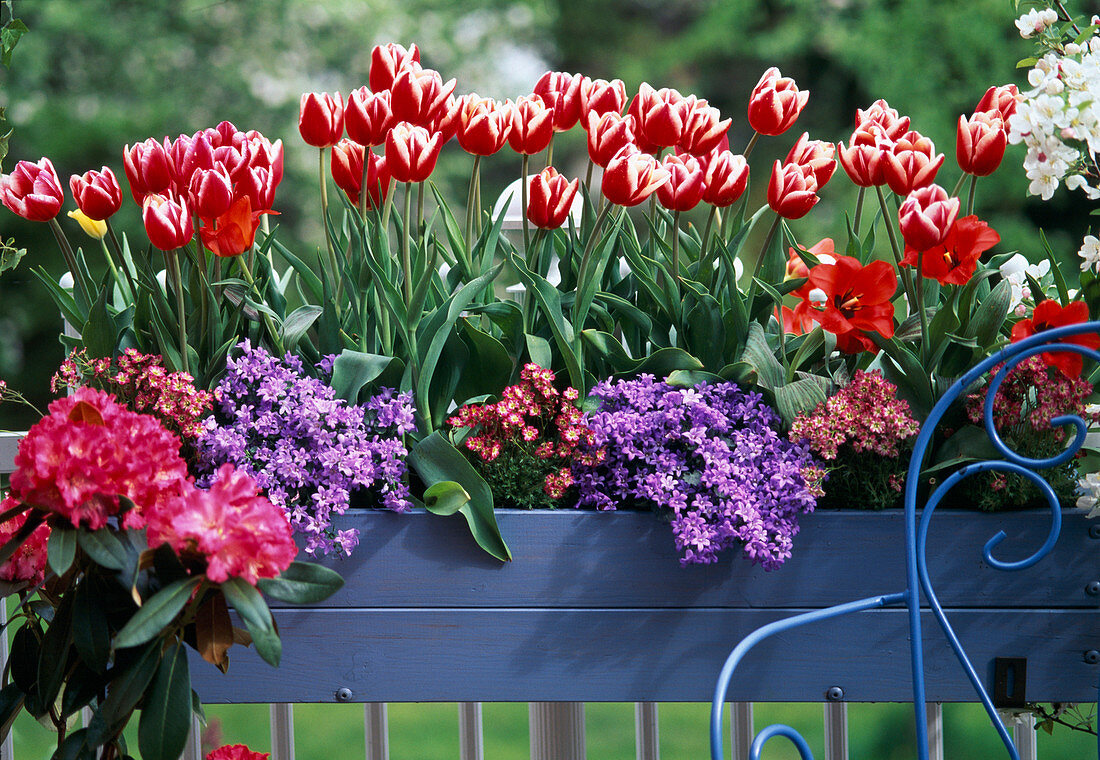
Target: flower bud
926 216
148 167
419 95
607 136
94 228
411 153
659 117
368 116
347 173
725 179
631 177
775 103
321 119
818 155
483 125
561 92
532 126
211 192
704 128
599 96
97 194
980 143
912 163
167 221
386 61
683 189
792 190
550 199
33 191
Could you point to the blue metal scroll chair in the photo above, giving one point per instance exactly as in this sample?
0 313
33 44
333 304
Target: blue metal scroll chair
916 533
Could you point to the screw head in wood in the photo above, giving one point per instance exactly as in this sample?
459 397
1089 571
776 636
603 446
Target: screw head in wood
1093 589
1092 657
344 695
834 694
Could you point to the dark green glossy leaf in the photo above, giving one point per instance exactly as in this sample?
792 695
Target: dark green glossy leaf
11 702
445 498
156 613
55 651
61 549
25 653
166 715
130 678
104 548
77 746
250 605
302 583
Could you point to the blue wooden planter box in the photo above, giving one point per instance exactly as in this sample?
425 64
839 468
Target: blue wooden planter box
595 607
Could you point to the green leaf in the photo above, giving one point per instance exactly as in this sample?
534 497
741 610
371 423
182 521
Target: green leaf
61 549
354 369
132 673
741 373
250 604
800 396
985 324
11 702
436 460
664 361
298 323
166 716
91 634
759 355
98 332
104 548
25 653
302 583
55 651
549 301
488 367
539 351
76 747
445 498
307 276
9 254
156 613
10 35
689 378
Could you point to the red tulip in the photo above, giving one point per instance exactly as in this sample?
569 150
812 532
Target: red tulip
411 152
683 189
532 125
880 112
259 185
97 194
864 160
659 117
386 61
347 172
926 216
818 155
234 232
980 143
33 190
148 167
823 250
775 103
999 101
725 179
1048 315
211 192
847 298
954 261
225 135
419 95
262 153
562 92
912 163
447 120
704 128
599 96
550 199
794 323
607 136
321 119
792 191
631 177
484 124
368 116
189 154
167 221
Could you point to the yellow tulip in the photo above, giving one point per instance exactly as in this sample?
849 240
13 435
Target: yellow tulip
94 229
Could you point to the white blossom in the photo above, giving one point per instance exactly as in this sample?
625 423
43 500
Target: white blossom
1034 22
1015 271
1090 254
1089 488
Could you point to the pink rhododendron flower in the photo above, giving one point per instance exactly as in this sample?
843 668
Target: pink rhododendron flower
236 752
29 561
240 533
88 452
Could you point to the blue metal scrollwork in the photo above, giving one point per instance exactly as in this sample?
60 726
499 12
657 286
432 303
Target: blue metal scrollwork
916 539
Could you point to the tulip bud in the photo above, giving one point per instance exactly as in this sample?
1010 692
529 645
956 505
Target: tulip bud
926 216
94 228
266 154
865 159
775 103
532 126
148 167
387 60
321 119
33 191
190 153
368 116
411 153
880 113
347 173
97 194
659 117
448 119
211 192
816 154
980 143
599 96
562 92
607 136
225 135
912 163
483 125
1000 101
684 188
167 221
259 185
419 96
550 199
631 177
725 179
792 191
703 128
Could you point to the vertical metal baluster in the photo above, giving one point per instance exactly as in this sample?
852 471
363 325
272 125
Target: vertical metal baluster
193 749
471 745
6 751
836 731
376 732
1024 736
934 714
282 731
647 743
741 730
557 730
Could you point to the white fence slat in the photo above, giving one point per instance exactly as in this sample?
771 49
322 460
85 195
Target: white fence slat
376 732
1024 736
282 731
193 749
6 751
557 730
471 745
646 734
836 731
741 729
933 712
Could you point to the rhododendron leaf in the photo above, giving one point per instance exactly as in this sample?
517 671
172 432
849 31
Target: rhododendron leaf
297 324
25 651
82 685
302 583
55 651
435 460
214 630
166 714
445 497
156 613
104 548
77 746
11 702
91 634
133 671
250 605
61 546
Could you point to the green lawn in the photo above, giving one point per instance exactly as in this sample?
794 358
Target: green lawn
429 731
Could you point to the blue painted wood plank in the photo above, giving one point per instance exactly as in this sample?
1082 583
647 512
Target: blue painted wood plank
568 558
642 655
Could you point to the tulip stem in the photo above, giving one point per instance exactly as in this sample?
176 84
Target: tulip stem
276 340
177 285
958 186
924 347
587 193
419 207
550 151
752 144
906 277
337 280
760 262
523 200
406 258
583 270
676 246
970 195
70 259
470 211
859 210
703 275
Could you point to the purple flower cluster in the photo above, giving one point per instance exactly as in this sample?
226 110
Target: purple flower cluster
306 448
710 456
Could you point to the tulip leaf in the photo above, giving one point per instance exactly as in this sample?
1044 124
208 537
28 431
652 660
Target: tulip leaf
445 498
166 715
759 355
800 396
298 323
309 279
985 323
549 300
489 366
689 378
302 583
352 370
156 613
539 351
